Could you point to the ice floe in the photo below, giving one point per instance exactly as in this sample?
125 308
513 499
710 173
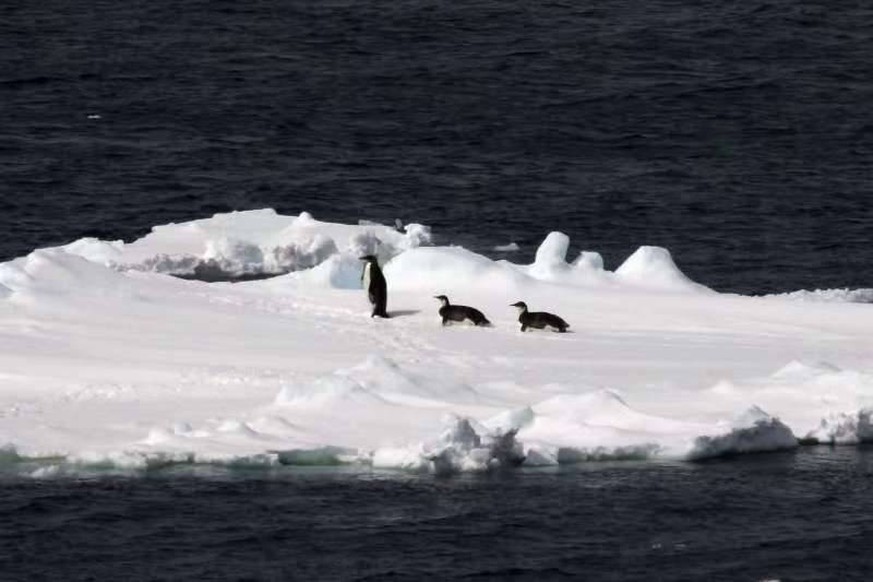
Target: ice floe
107 359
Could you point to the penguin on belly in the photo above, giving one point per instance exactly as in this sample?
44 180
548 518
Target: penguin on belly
449 312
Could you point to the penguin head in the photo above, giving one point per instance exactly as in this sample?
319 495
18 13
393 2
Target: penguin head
442 299
520 305
368 258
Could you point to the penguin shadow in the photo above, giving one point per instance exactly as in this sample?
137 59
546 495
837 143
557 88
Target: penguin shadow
551 334
403 312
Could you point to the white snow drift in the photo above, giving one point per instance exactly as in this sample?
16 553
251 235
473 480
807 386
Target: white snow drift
106 358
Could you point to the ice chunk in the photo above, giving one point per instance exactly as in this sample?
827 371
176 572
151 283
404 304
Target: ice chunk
460 447
511 420
751 432
843 295
323 456
248 244
653 267
844 429
551 256
8 454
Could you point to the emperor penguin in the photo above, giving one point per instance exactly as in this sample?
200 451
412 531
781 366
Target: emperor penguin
374 282
451 312
538 319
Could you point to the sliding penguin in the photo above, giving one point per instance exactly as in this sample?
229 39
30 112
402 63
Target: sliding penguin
374 282
451 312
538 319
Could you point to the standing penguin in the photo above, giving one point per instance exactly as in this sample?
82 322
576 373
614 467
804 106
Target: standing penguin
538 319
451 312
374 282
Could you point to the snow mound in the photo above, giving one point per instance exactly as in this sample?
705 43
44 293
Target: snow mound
754 431
445 269
248 244
602 408
341 271
378 380
799 371
550 263
588 262
653 267
51 272
336 389
96 250
818 401
570 428
507 248
574 428
551 256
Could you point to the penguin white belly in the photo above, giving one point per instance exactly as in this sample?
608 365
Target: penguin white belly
365 279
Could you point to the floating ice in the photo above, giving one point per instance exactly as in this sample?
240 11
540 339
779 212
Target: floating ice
103 364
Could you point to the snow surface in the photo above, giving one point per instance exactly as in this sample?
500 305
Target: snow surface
106 359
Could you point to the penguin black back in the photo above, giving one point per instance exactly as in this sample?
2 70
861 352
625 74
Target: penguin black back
451 312
539 319
374 282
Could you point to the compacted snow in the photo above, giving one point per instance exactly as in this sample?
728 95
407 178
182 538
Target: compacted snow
108 358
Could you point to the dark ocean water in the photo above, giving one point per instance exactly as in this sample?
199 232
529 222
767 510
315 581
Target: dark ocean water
738 135
789 516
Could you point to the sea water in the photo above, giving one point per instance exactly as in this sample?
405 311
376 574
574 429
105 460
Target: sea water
736 135
804 515
739 136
